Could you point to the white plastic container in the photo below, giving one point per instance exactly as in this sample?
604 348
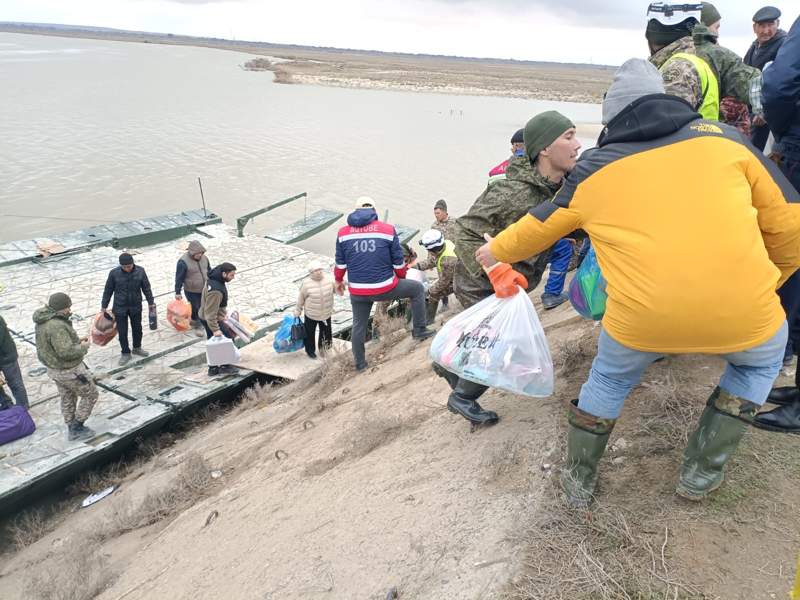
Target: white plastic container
221 351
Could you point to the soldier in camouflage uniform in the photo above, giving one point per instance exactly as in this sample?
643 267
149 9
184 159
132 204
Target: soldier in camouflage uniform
443 221
61 351
441 256
681 32
551 150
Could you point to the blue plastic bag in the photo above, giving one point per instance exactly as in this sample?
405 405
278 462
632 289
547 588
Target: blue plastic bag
587 290
283 341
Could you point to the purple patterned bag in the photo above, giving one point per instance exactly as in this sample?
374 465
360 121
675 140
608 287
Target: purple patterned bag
15 423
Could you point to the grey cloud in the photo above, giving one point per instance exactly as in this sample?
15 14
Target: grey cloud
613 14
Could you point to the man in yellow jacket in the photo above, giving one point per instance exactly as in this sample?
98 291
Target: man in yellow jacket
693 231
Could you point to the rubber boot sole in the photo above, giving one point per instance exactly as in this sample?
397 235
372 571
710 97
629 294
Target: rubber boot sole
692 497
758 425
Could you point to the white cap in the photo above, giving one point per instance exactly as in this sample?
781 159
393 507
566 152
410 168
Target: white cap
316 265
366 202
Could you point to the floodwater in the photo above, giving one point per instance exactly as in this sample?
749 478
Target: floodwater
95 131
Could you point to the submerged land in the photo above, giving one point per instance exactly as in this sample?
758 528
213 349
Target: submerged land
381 70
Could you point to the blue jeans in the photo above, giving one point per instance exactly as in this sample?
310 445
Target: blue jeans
617 369
560 256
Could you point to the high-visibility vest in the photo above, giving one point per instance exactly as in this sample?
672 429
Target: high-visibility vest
709 109
449 251
796 590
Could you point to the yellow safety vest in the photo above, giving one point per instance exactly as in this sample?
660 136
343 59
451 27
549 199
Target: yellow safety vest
449 250
796 590
709 109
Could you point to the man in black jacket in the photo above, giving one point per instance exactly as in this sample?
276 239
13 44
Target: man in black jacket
9 368
127 283
781 93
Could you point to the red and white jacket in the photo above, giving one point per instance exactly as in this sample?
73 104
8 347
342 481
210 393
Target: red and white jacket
369 252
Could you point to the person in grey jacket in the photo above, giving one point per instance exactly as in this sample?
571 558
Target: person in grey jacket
191 275
126 284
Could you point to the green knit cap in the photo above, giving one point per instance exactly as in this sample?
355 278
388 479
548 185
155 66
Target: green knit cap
710 14
542 130
59 301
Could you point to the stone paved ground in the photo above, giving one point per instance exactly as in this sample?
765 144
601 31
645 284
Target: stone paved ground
145 391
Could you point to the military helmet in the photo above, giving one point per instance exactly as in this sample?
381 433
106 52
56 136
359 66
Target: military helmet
432 239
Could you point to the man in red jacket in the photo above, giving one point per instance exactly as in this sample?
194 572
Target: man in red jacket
370 252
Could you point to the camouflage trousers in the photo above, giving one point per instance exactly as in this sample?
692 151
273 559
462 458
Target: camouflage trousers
468 289
73 384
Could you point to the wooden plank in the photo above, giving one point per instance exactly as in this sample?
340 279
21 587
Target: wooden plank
261 357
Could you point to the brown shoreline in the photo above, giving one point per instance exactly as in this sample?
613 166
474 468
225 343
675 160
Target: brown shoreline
400 72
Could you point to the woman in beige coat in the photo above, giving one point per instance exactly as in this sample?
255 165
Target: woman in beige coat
316 297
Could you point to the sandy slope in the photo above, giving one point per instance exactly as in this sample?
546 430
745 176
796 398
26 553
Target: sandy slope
376 486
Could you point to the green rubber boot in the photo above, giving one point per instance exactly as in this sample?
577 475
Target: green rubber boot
722 426
586 443
430 311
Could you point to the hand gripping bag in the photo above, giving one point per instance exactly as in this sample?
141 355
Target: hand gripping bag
104 328
498 342
587 290
179 315
283 341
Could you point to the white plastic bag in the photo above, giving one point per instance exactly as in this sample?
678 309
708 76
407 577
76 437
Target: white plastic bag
498 342
221 351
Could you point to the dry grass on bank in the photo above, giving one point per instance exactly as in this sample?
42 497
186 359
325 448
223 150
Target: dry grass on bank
192 482
79 571
637 540
80 574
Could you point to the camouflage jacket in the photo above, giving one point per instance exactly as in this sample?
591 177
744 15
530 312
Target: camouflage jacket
57 344
446 228
501 204
682 80
444 285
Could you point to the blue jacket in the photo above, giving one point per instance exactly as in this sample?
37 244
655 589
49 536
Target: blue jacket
781 95
369 251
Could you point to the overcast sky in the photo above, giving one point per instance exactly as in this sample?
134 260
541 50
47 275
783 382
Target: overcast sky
599 31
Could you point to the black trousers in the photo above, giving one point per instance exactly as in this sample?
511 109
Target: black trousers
194 299
122 329
325 335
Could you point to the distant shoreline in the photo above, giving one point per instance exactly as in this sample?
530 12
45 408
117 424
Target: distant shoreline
380 70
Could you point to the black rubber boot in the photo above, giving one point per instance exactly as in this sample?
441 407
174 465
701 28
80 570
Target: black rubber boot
586 443
722 426
785 419
784 395
430 311
451 378
78 431
464 401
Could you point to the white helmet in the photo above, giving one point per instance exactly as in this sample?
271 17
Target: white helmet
432 239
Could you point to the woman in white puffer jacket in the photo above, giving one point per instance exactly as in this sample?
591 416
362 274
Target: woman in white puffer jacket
316 297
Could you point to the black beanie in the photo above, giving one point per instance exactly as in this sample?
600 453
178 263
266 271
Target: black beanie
441 205
663 35
517 137
125 259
